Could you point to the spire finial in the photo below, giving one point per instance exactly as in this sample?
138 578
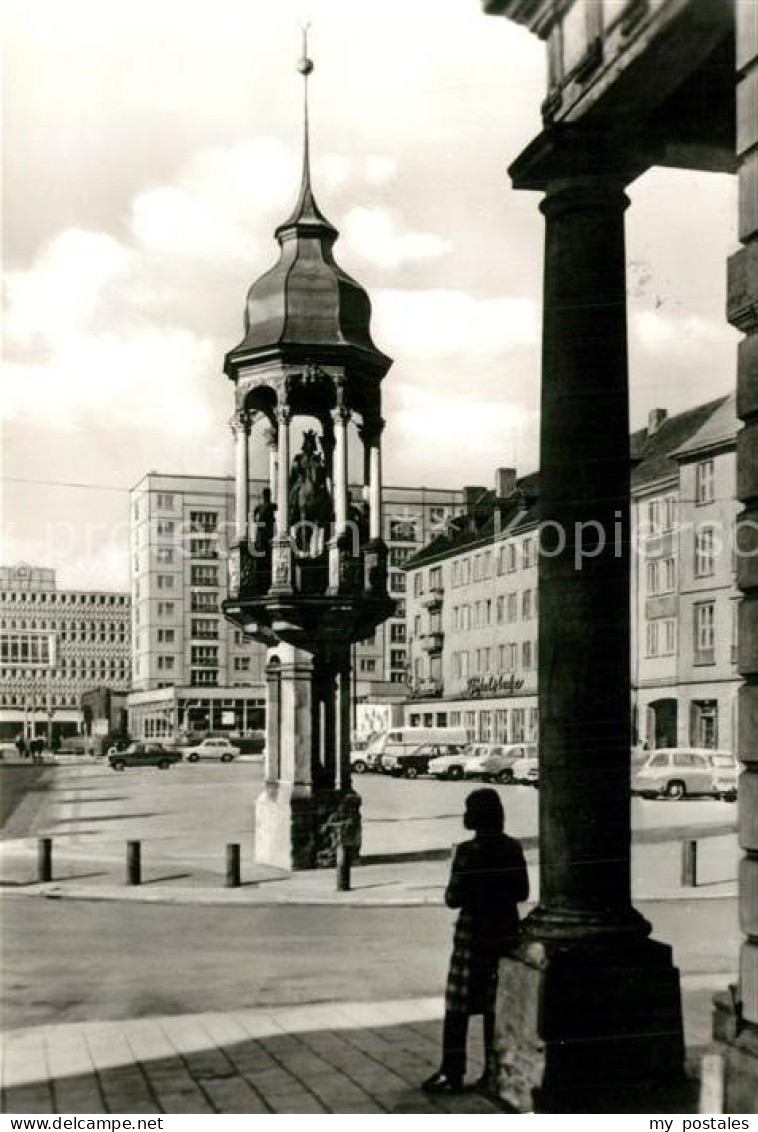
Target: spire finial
305 66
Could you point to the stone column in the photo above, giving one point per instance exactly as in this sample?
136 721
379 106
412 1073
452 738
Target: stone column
281 557
283 416
597 1002
240 424
375 483
341 419
272 442
736 1017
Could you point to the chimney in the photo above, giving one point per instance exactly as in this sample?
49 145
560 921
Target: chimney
655 419
505 482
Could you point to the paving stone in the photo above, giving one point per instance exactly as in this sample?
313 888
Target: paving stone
28 1098
233 1094
273 1082
76 1093
24 1060
249 1058
297 1103
124 1088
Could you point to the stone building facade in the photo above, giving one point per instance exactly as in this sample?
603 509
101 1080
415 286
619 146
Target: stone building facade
473 600
56 645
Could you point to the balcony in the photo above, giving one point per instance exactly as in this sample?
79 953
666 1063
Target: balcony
432 599
426 689
433 642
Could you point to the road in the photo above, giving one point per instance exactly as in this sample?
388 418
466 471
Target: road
188 814
76 960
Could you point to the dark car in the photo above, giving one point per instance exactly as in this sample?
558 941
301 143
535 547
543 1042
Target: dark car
144 754
406 761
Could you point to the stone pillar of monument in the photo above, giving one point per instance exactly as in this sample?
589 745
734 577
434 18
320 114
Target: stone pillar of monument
588 1000
240 424
736 1014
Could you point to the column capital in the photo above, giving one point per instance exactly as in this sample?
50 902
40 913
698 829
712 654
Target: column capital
370 431
283 413
564 154
341 415
241 421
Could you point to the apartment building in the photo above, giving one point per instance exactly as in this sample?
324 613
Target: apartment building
473 601
56 645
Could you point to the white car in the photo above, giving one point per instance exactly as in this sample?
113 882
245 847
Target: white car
220 749
451 764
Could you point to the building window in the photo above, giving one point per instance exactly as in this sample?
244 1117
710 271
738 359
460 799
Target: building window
438 515
669 513
653 516
435 578
397 658
512 608
166 636
204 576
705 564
669 637
204 677
164 554
518 717
526 655
203 548
397 633
166 527
204 522
652 577
402 530
165 581
400 607
704 622
397 581
242 664
418 584
165 502
165 609
204 601
165 663
205 656
367 664
526 605
205 628
652 638
527 553
510 558
400 554
705 482
669 575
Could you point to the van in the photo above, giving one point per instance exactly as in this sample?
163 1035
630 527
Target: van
403 739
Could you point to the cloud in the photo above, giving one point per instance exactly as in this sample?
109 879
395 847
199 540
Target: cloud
676 336
443 322
375 235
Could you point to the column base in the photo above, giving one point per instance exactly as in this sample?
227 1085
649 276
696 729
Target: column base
737 1041
299 828
580 1024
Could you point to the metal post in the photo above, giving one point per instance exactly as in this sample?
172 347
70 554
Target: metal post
689 864
134 862
44 859
233 866
344 862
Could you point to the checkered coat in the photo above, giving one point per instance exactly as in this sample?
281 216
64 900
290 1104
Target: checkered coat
488 880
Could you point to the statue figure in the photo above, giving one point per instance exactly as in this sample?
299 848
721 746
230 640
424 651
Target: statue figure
310 503
263 524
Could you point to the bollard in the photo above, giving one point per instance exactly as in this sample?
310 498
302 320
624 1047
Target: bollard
711 1084
689 864
233 865
344 861
44 859
134 862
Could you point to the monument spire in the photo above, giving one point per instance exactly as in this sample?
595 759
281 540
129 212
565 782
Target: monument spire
306 211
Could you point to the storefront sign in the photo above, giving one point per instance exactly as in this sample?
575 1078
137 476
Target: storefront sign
478 687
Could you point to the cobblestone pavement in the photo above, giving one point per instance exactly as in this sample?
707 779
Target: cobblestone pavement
330 1058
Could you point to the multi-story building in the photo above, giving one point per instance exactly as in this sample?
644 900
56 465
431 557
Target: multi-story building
56 645
191 668
473 596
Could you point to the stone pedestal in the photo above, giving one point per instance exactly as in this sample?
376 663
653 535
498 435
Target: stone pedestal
300 829
578 1025
307 805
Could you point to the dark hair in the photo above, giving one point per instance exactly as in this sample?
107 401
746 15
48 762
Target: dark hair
484 811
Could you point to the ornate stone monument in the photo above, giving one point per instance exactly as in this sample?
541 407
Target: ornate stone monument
306 577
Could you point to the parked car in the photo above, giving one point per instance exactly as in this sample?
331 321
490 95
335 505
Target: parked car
527 770
212 749
494 763
144 754
451 764
675 772
409 762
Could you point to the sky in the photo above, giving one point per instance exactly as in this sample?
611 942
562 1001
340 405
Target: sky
150 150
